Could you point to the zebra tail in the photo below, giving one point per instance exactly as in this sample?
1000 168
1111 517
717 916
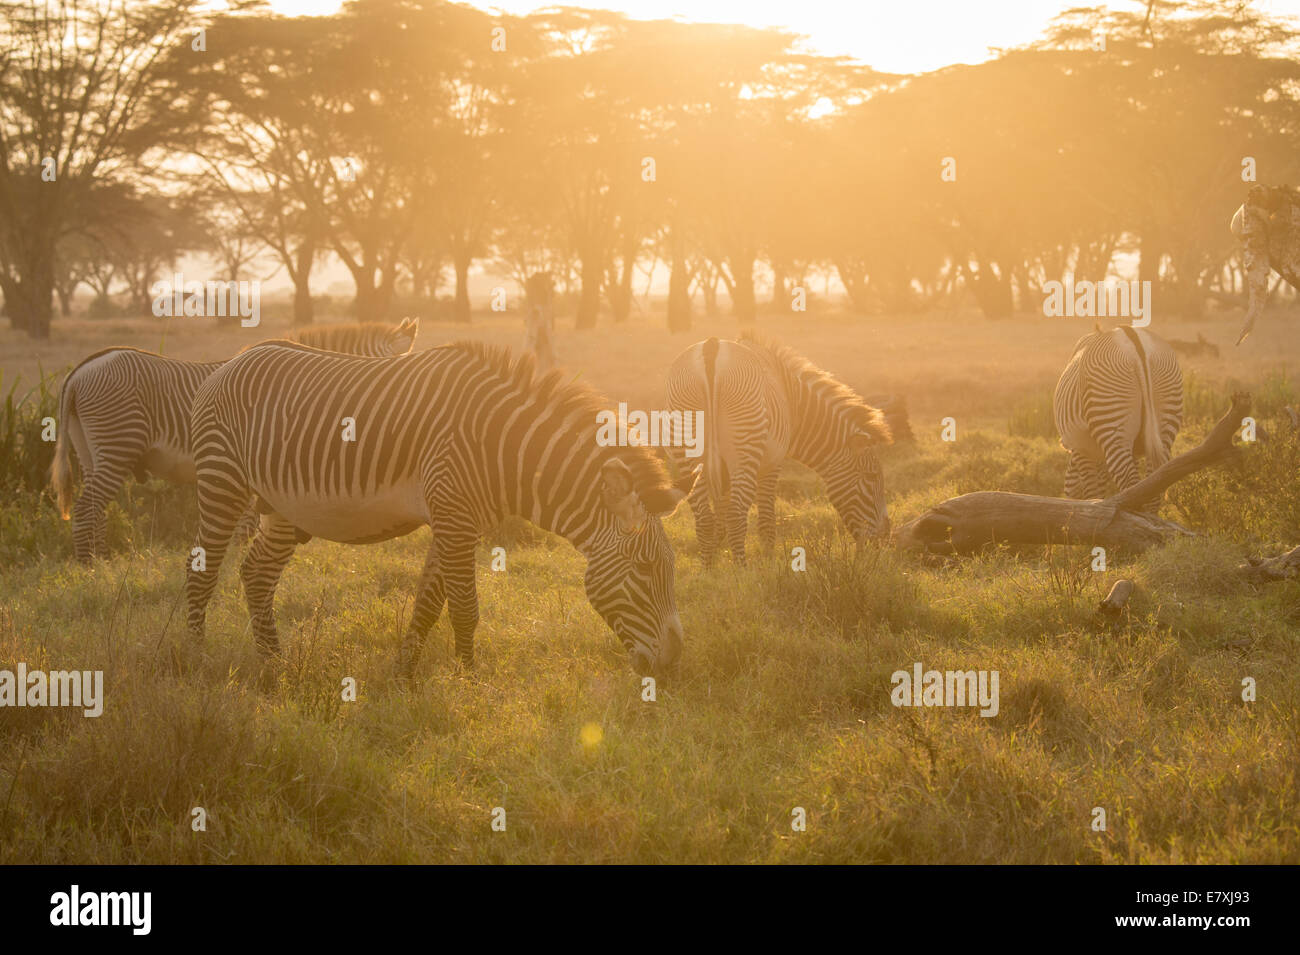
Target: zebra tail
61 468
1153 446
714 469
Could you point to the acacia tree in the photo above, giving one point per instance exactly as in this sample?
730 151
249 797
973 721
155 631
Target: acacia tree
254 160
570 139
87 92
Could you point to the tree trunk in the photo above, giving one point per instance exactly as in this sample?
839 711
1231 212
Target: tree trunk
65 299
855 285
36 293
9 288
621 294
992 290
679 298
461 309
304 313
742 271
709 286
589 298
1149 256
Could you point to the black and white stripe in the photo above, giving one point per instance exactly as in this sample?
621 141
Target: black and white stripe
127 412
1119 398
456 437
763 403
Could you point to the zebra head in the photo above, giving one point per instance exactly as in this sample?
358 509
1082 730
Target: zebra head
629 578
855 481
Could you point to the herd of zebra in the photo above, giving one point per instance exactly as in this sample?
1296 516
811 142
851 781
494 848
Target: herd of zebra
346 433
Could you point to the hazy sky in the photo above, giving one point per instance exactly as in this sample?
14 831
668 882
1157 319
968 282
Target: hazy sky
892 35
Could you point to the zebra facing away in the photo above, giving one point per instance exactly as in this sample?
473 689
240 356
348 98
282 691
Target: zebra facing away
455 437
763 403
540 321
126 411
1119 398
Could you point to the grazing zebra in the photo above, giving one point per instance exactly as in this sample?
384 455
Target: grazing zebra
763 403
455 437
1268 226
1120 397
540 339
126 411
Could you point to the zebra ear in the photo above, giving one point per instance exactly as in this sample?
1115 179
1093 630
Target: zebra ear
859 441
409 326
662 501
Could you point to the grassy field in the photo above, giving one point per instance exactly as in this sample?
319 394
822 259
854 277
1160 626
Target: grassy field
784 697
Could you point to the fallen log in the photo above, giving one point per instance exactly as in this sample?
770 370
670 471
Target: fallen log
965 524
1273 568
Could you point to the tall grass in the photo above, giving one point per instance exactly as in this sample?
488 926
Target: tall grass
30 525
24 457
783 699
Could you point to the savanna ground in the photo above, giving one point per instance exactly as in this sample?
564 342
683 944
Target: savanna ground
784 697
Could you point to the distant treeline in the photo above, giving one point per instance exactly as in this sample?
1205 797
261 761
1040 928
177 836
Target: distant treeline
411 139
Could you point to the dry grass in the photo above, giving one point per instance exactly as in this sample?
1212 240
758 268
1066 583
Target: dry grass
783 702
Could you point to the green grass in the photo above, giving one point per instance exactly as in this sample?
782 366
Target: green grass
784 697
783 702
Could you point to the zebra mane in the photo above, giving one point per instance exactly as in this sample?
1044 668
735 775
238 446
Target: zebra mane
330 330
828 389
570 399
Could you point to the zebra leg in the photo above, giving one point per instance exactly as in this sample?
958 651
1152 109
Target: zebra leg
89 524
1083 479
248 525
456 542
706 524
260 573
429 601
1117 447
767 509
744 485
223 499
707 531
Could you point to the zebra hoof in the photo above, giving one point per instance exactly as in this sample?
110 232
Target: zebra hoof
406 661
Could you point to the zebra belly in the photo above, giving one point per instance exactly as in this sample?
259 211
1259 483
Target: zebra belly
358 518
170 464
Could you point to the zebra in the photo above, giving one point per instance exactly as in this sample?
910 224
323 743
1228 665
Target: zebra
540 322
1267 225
126 411
763 403
456 437
1119 397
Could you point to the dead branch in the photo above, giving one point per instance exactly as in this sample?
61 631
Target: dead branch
1273 568
965 524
